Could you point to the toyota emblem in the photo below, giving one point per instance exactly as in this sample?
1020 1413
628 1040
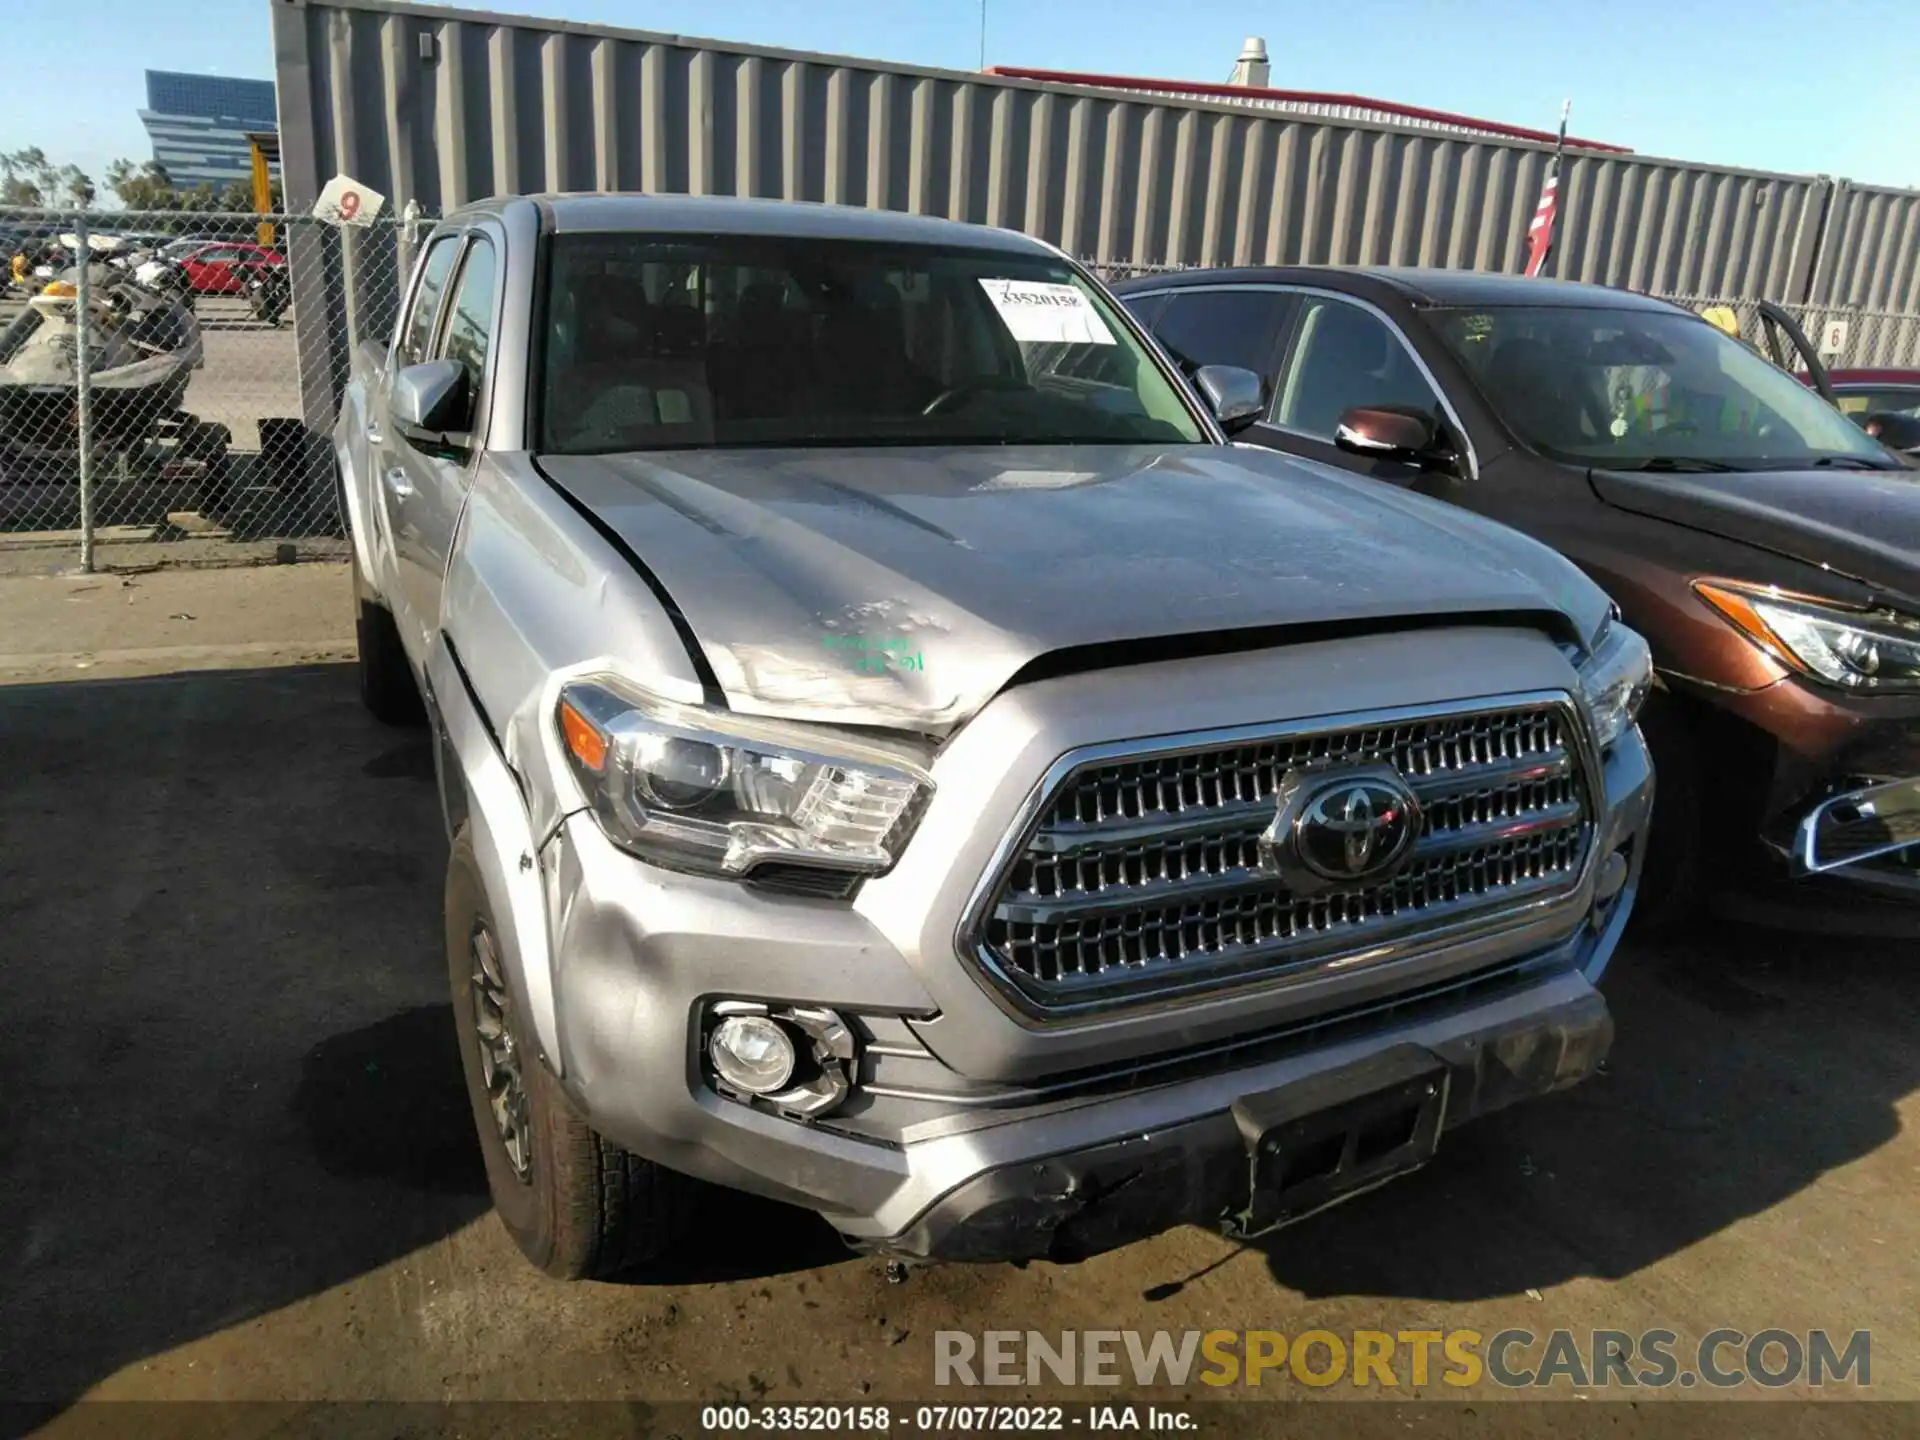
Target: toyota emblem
1345 826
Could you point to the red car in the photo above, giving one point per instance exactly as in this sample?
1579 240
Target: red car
220 267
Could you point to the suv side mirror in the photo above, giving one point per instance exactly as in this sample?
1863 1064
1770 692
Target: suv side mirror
1391 432
432 408
1234 395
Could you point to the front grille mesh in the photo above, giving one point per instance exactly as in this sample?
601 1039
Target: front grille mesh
1144 872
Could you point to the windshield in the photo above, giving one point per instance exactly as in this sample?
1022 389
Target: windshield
659 342
1640 389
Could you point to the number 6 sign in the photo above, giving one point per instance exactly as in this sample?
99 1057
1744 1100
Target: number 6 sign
346 201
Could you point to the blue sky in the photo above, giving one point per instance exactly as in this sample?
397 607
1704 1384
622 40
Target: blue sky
1828 86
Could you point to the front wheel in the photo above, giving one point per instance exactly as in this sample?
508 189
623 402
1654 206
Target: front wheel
576 1204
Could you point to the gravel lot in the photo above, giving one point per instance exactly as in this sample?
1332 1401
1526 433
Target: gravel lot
237 1162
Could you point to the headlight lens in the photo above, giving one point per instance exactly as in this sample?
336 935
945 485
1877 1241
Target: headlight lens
707 790
1615 681
1858 649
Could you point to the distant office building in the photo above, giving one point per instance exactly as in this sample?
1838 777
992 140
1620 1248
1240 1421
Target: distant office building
199 125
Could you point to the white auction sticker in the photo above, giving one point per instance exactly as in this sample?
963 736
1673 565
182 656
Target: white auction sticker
1039 313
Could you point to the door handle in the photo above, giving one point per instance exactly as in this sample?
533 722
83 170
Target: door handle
398 483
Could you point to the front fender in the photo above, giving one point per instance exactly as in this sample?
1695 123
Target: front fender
532 591
478 788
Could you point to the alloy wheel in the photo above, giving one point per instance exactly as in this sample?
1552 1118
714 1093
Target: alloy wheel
500 1071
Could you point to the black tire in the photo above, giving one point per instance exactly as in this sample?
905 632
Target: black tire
387 686
584 1208
1671 901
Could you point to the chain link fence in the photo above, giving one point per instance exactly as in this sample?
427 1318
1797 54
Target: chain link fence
170 401
1846 337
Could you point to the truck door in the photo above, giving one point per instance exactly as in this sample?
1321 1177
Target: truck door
427 490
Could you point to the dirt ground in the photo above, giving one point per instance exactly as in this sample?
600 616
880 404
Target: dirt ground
236 1162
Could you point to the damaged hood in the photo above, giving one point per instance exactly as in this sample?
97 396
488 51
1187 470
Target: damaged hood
905 587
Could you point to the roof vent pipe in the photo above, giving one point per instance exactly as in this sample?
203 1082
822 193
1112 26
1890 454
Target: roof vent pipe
1251 69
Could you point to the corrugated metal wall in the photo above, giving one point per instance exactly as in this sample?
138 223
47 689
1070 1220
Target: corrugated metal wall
445 106
1871 257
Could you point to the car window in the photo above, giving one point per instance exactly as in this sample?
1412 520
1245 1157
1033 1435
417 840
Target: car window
416 336
470 325
656 342
1345 356
1146 308
1862 403
1627 387
1225 327
215 255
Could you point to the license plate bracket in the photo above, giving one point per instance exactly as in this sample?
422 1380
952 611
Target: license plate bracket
1330 1137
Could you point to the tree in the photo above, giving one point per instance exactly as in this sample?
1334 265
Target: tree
27 177
142 186
237 195
76 187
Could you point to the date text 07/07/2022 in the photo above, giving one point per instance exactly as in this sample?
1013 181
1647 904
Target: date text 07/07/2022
943 1419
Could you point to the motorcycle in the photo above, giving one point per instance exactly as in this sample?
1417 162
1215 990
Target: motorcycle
268 294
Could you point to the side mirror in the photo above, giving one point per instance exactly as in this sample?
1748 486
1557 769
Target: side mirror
1390 432
1234 395
431 407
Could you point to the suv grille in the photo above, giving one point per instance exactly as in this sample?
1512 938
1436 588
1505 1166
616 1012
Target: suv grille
1142 872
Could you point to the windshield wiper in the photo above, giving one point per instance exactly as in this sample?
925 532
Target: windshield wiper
1848 462
1679 465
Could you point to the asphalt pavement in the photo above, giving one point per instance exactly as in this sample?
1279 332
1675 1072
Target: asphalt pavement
236 1161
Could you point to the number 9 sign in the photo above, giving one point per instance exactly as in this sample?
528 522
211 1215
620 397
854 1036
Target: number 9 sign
345 201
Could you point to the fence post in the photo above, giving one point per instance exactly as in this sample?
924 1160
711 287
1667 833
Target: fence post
83 384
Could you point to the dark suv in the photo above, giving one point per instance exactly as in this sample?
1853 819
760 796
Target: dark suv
1767 548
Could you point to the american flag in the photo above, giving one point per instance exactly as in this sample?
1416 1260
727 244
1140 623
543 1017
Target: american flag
1540 232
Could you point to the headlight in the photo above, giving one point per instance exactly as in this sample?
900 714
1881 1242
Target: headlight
1615 681
706 790
1858 649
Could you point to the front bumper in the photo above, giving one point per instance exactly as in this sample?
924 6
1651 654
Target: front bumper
1078 1203
967 1128
1820 754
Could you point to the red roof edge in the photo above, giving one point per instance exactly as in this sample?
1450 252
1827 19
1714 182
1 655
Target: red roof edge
1299 97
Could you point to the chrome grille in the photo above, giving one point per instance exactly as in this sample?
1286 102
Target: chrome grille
1142 871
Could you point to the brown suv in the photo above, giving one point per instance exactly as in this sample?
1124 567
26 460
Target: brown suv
1766 547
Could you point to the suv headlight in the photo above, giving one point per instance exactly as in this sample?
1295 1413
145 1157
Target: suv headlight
1857 649
711 791
1615 681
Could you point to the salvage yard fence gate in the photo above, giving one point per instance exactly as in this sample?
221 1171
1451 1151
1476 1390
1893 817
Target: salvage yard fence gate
234 463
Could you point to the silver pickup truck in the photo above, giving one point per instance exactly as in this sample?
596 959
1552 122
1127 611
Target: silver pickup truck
901 758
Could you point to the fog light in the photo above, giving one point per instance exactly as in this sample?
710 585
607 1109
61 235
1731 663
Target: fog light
1613 875
752 1053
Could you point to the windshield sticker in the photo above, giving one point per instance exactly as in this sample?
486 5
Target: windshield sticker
1039 313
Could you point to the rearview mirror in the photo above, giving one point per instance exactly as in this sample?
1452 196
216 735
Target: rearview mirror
1234 395
1389 432
431 406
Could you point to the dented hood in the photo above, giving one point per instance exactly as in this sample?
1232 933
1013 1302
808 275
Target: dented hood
905 587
